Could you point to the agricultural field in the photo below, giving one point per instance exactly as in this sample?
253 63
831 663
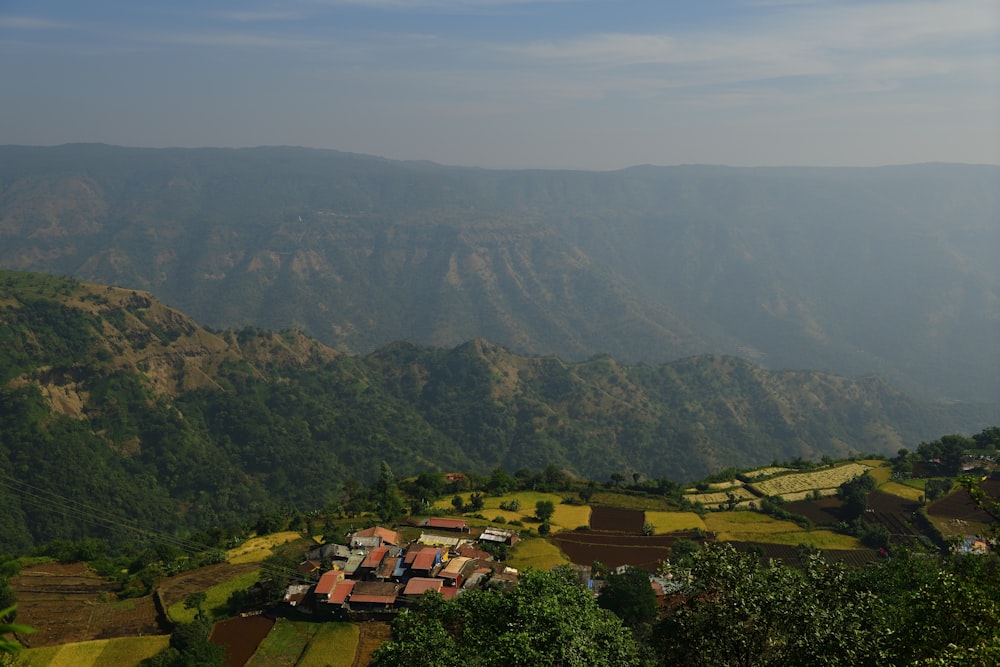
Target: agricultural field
537 553
566 517
902 490
119 652
334 645
175 589
216 598
239 637
629 501
257 549
617 519
761 473
68 603
284 644
670 522
747 526
714 499
828 478
613 549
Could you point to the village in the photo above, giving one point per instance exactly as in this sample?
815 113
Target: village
376 574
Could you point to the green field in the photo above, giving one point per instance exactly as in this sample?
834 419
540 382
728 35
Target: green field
334 644
120 652
538 554
902 490
217 597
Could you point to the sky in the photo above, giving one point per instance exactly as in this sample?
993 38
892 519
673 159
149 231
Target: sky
581 84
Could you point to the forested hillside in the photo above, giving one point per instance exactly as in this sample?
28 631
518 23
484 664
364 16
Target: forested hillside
129 408
849 271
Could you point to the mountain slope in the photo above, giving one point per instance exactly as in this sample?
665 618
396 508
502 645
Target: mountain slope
853 271
129 408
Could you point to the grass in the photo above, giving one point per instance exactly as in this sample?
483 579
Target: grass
669 522
536 553
216 598
334 644
284 644
880 471
902 490
257 549
120 652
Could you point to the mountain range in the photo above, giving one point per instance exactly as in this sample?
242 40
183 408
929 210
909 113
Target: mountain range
137 415
850 271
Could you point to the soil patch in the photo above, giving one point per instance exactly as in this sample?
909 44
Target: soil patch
372 635
822 512
66 603
616 519
615 549
240 637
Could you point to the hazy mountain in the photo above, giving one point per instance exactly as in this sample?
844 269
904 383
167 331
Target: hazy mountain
852 271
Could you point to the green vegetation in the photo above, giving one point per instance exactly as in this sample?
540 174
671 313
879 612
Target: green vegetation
547 619
215 602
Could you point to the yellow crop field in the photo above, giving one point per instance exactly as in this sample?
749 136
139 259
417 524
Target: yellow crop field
902 490
828 478
120 652
710 500
669 522
257 549
536 553
720 486
565 516
804 495
821 539
334 644
746 526
569 516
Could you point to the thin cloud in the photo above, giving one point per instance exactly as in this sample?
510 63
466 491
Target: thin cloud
32 23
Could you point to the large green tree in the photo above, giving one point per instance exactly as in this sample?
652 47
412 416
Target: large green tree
547 619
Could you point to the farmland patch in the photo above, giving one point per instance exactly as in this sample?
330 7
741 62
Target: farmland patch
335 644
828 478
537 553
240 637
257 549
669 522
616 519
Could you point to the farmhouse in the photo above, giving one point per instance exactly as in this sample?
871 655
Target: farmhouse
443 523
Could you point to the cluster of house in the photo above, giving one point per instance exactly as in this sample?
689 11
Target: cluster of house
377 572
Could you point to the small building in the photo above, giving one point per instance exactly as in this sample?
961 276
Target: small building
432 540
372 596
419 585
363 538
341 592
326 583
296 594
499 536
444 523
425 561
308 567
456 570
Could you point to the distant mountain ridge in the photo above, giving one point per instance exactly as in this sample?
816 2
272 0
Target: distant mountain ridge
849 270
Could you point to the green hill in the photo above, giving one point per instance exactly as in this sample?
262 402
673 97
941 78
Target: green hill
135 413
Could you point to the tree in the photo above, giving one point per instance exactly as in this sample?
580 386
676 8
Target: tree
547 619
196 601
7 627
544 509
630 596
937 488
854 492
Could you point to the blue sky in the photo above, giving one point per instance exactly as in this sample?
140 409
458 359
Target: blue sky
512 83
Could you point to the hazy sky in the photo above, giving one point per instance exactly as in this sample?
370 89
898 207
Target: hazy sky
598 84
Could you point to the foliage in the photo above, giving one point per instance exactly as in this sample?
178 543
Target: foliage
547 619
544 509
629 595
